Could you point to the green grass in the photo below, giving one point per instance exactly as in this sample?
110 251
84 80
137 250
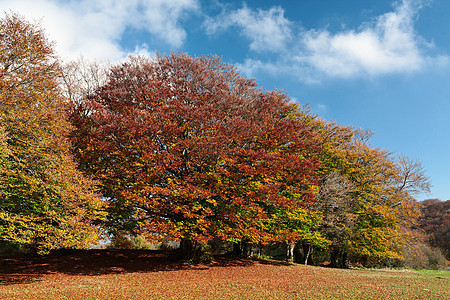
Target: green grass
443 273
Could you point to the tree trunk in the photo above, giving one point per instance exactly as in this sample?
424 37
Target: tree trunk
245 249
237 249
290 251
192 251
334 257
187 248
344 260
241 249
307 250
298 255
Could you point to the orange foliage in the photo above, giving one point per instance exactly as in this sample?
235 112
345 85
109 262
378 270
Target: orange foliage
45 201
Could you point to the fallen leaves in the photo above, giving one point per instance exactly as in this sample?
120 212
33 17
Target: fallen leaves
113 274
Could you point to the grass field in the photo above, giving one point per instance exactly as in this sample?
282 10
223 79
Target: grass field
123 274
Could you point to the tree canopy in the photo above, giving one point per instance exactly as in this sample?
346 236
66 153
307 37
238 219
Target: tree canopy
187 148
44 200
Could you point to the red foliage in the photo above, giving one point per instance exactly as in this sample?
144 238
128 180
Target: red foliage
435 221
188 148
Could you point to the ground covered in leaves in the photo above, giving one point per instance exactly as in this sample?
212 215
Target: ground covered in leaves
141 274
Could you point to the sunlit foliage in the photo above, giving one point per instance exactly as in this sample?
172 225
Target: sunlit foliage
187 148
45 202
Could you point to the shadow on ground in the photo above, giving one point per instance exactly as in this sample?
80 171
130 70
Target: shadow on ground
28 268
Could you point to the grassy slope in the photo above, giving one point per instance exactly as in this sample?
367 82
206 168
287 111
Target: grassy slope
243 279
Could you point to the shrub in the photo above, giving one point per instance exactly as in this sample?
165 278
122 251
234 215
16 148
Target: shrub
127 241
421 256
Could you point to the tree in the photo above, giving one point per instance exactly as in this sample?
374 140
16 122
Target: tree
82 77
335 203
365 210
187 148
377 233
435 222
45 201
412 178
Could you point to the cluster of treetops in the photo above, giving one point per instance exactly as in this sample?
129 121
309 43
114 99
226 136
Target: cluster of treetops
186 149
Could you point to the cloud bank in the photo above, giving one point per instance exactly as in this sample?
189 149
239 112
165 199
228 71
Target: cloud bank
94 28
387 44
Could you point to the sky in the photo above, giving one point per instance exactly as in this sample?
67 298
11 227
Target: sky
382 65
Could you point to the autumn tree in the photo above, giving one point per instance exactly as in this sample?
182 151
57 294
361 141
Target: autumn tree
365 205
334 201
377 232
187 148
435 222
45 202
82 77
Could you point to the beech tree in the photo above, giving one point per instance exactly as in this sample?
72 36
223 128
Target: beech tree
187 148
45 201
377 232
366 208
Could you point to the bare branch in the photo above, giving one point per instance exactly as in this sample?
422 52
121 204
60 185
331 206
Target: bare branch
412 176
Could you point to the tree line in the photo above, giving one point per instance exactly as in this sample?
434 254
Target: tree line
187 149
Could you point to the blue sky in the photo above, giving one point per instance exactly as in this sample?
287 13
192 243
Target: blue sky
381 65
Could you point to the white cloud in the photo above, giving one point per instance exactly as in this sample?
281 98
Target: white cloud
268 30
94 28
161 18
143 50
251 67
284 66
386 45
